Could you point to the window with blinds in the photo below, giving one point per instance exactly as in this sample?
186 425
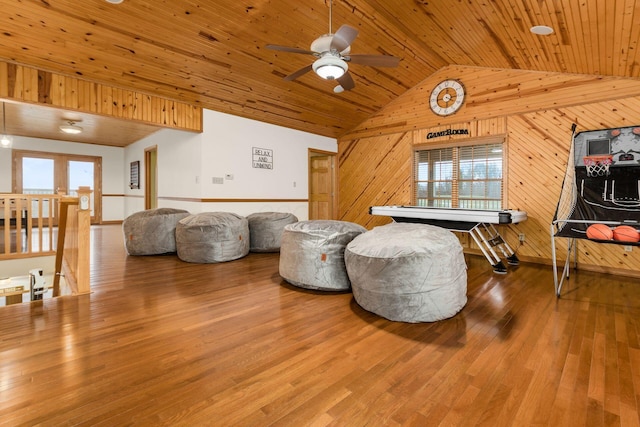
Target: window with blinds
469 177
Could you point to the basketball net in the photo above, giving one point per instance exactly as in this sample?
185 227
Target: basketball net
597 165
569 191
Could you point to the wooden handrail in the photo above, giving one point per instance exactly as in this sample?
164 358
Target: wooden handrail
73 250
33 225
32 215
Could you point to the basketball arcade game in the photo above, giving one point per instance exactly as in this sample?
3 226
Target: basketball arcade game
479 223
601 186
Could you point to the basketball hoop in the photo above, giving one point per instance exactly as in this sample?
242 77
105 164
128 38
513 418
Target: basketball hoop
598 165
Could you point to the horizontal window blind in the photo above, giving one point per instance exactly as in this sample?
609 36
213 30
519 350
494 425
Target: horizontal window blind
469 176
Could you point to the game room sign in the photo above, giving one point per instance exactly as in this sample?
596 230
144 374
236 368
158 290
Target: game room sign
262 158
447 132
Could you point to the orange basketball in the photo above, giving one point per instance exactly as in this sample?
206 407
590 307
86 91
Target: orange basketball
626 233
599 232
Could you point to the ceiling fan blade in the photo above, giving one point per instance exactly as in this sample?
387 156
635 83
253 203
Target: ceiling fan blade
300 72
346 81
374 60
289 49
343 38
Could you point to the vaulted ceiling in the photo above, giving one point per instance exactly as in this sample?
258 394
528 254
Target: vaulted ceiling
212 52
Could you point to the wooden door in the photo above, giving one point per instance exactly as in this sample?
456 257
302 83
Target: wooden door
151 177
321 186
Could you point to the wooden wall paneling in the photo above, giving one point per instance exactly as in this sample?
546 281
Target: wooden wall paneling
536 171
26 84
72 93
362 184
130 106
56 96
476 129
19 83
30 90
494 93
4 79
117 94
146 107
84 95
538 146
156 110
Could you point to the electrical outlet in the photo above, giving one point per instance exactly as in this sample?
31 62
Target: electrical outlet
628 248
521 237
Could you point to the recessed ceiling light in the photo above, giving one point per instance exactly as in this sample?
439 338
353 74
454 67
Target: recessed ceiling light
541 30
115 1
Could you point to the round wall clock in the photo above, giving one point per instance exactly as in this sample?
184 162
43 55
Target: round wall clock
447 97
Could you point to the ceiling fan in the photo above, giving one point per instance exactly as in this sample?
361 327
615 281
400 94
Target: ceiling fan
333 52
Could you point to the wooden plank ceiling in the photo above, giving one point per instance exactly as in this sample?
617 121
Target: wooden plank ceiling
212 53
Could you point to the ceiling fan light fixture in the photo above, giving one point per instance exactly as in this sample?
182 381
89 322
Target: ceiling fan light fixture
330 67
71 128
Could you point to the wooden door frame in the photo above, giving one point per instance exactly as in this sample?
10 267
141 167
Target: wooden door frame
333 156
147 175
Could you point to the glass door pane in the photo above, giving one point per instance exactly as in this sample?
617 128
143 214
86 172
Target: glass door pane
38 178
80 174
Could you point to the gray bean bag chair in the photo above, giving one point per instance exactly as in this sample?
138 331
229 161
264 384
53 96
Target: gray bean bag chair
152 232
408 272
312 254
265 229
210 237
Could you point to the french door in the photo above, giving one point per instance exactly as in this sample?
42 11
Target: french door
37 172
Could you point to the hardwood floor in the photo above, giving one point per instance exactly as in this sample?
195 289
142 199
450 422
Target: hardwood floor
163 342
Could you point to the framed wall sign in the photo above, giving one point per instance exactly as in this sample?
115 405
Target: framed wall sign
134 175
262 158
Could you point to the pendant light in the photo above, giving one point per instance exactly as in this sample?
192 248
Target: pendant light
5 140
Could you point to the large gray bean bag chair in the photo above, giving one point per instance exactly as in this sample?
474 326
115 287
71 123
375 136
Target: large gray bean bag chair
312 254
152 232
265 229
210 237
408 272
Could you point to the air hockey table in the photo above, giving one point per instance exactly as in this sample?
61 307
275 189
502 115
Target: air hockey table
478 223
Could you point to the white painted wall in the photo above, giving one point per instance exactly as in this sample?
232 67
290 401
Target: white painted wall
188 162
